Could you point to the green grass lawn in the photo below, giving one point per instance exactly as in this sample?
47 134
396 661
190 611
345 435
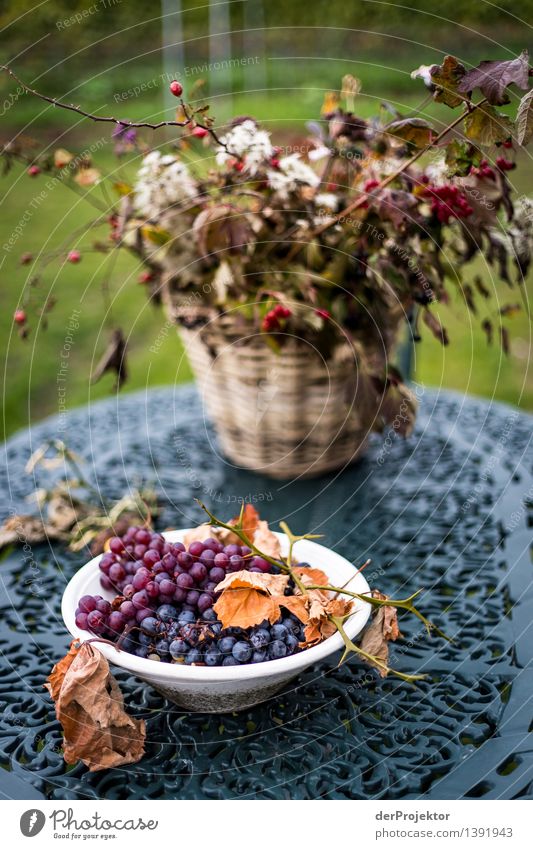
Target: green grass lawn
31 366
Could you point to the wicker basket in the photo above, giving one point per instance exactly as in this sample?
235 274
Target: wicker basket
289 414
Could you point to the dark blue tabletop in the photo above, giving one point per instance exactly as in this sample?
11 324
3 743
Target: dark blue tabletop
448 510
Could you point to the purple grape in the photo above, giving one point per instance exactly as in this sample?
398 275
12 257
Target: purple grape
217 574
196 549
185 581
116 545
143 536
167 587
222 560
208 558
192 597
235 563
116 573
261 564
140 599
81 620
151 557
105 583
198 573
87 603
204 602
96 621
152 588
116 621
185 560
128 609
103 606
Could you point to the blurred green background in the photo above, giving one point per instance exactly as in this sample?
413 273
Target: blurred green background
274 60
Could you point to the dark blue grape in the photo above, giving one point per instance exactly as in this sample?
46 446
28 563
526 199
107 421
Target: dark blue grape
193 656
260 638
279 632
226 644
166 612
213 656
178 648
162 647
229 661
277 649
292 643
144 639
242 651
259 655
142 651
150 625
209 615
186 616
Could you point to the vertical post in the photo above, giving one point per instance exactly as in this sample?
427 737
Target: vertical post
173 48
220 71
255 68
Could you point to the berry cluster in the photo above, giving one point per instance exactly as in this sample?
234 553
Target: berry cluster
273 318
448 202
164 609
483 171
505 164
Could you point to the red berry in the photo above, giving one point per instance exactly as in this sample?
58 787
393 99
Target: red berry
176 88
200 132
274 162
323 313
238 165
370 184
19 317
146 277
26 258
33 170
508 144
74 256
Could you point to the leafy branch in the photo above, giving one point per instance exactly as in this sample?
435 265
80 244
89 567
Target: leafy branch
286 563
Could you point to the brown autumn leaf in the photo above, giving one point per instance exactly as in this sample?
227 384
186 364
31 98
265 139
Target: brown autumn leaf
245 607
247 598
383 628
319 606
90 708
263 581
266 541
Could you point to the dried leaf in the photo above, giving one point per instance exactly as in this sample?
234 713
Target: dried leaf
245 607
90 707
446 79
297 605
524 119
383 628
113 359
415 131
247 598
264 581
267 541
486 126
493 77
250 521
19 530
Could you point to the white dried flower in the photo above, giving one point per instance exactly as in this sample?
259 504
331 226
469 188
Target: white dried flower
327 200
248 141
162 181
290 174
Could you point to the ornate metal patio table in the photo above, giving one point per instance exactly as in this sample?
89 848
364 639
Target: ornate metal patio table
446 510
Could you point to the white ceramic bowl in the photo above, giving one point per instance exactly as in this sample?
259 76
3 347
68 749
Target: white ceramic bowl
224 688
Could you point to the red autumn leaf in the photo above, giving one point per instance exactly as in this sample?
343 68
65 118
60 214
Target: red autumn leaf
90 708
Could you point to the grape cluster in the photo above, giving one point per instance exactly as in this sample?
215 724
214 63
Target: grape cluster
163 609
